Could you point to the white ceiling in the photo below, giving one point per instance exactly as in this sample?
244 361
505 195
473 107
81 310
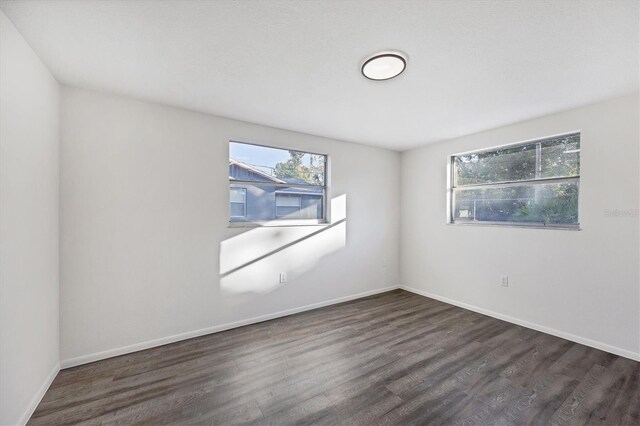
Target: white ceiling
473 65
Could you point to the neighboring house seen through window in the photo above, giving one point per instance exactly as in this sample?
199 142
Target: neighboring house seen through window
533 184
268 184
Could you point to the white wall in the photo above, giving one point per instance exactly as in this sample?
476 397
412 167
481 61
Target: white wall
145 247
583 285
28 226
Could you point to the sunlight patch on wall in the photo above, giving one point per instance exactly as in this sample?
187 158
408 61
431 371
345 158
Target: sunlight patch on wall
253 260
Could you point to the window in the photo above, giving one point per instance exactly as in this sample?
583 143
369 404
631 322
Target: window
238 202
273 184
532 184
288 205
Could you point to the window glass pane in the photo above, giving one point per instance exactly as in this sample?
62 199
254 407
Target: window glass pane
496 166
555 203
560 157
237 195
555 157
289 212
265 164
293 202
287 200
236 209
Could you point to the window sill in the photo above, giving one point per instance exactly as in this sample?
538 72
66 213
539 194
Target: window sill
516 225
279 223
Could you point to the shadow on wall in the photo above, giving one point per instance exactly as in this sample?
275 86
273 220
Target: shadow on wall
251 261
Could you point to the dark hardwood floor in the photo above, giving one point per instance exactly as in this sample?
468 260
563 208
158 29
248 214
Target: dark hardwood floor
393 358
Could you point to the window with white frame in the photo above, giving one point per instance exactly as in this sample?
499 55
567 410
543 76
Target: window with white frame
533 184
275 184
237 202
288 205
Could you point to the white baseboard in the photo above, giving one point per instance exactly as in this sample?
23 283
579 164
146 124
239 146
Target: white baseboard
568 336
84 359
33 404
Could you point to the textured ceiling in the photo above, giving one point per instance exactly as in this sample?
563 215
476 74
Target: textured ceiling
473 65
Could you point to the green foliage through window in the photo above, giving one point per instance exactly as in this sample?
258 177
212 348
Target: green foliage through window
531 183
303 166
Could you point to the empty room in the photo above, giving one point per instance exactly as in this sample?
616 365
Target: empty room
337 212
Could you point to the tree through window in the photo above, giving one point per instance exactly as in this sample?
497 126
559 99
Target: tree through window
533 184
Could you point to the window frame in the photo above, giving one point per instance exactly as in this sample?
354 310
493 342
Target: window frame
451 187
326 206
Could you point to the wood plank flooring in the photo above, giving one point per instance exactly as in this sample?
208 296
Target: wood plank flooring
393 358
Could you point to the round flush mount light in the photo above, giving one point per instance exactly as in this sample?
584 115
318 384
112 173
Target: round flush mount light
384 65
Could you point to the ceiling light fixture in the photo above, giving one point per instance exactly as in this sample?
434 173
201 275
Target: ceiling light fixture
384 65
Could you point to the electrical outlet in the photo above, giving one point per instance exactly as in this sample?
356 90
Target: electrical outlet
283 277
504 281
